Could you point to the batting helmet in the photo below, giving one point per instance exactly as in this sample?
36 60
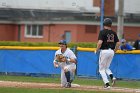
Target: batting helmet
63 42
107 22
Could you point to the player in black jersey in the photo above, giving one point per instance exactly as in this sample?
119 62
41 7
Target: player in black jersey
108 43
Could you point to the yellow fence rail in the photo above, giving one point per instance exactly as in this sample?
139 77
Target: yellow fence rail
56 48
28 48
119 51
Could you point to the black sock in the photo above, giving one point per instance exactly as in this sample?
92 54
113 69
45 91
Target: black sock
111 76
107 84
67 74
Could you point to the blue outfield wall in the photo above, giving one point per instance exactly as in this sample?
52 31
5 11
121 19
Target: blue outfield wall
28 61
125 66
87 63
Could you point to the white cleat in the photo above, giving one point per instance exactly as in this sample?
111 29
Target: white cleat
106 87
113 81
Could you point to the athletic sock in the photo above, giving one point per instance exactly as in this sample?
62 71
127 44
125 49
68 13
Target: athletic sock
107 84
111 76
67 74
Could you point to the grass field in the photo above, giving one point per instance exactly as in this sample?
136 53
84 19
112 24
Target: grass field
81 81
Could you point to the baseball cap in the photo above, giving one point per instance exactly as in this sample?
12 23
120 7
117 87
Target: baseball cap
123 40
63 42
107 22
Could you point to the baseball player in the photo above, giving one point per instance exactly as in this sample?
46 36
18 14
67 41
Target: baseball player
67 68
108 43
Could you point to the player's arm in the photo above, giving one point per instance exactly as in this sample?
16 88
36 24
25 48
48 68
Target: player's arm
117 46
55 63
72 58
117 43
100 41
99 45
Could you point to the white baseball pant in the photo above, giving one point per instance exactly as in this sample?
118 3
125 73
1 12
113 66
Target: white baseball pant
105 59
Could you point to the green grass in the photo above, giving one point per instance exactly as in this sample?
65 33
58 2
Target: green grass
81 81
29 79
119 83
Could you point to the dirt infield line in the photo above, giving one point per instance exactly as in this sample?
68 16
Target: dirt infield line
57 86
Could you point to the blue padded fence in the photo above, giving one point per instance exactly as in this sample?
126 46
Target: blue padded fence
27 61
125 66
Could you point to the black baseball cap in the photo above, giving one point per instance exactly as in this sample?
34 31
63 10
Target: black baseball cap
107 22
63 42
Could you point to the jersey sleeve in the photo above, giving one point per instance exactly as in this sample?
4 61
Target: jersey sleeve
72 55
116 39
100 37
55 56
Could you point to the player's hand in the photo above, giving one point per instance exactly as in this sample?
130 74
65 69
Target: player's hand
56 65
95 51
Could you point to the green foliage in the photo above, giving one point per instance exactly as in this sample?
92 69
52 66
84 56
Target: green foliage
84 44
44 44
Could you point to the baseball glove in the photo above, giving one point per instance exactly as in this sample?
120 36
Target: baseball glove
60 58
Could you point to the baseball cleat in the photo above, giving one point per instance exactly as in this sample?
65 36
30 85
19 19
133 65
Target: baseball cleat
68 85
113 81
107 87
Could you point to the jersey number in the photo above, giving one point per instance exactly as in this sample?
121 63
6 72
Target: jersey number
110 38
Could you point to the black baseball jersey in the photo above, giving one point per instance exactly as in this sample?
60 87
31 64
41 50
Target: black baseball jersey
109 39
137 44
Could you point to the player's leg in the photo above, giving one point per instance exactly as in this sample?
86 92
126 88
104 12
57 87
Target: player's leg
69 69
72 75
72 69
63 79
109 59
102 67
113 79
108 71
67 75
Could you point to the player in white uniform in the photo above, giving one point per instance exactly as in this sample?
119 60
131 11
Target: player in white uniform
67 68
